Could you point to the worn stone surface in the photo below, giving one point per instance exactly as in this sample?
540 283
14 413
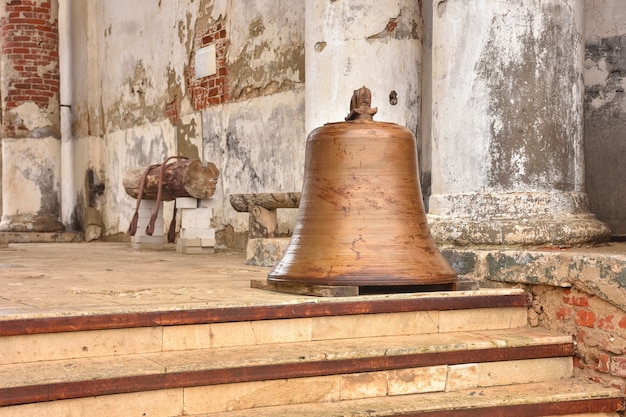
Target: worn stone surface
444 402
159 403
60 277
601 271
266 251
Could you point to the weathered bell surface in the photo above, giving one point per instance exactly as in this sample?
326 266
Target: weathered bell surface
361 220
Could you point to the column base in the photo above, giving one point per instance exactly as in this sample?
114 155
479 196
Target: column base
526 219
571 231
30 223
30 185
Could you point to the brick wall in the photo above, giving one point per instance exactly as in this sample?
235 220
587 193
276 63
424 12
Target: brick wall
598 327
29 45
211 90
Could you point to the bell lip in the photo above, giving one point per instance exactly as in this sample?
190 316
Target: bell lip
365 281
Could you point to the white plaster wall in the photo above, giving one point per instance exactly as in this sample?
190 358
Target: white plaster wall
347 47
34 163
452 128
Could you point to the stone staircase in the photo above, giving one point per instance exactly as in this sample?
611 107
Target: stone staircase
453 354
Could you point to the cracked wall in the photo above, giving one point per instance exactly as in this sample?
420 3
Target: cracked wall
605 111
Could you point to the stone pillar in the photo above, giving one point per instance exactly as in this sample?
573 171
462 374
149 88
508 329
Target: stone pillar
352 43
507 161
31 140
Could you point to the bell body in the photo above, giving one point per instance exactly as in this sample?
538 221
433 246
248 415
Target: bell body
361 219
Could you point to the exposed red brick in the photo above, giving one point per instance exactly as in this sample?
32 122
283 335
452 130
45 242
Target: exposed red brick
618 366
203 92
604 363
586 318
564 313
606 322
581 301
578 363
28 41
596 379
621 387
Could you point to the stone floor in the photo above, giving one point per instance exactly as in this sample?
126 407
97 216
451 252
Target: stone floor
56 279
63 279
51 279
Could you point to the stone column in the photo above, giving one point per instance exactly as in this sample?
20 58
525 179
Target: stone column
352 43
508 124
31 140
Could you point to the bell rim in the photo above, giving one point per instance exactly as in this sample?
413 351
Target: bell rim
364 280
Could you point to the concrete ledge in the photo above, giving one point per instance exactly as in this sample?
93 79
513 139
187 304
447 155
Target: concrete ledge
600 271
42 237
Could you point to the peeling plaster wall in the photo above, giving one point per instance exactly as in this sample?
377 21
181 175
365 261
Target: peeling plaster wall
605 111
259 148
30 116
266 52
132 104
144 43
507 126
125 58
258 137
81 86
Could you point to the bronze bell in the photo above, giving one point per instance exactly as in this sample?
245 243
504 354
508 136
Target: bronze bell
361 220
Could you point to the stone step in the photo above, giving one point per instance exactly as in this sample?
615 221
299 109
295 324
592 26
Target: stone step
93 335
325 370
567 397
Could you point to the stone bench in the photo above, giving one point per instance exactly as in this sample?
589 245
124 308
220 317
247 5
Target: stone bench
264 248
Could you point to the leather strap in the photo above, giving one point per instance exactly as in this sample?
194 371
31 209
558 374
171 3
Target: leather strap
132 228
155 213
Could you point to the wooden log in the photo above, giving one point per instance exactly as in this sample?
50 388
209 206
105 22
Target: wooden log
270 201
184 178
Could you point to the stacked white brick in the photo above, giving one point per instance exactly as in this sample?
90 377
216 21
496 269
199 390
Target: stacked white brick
141 240
196 233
